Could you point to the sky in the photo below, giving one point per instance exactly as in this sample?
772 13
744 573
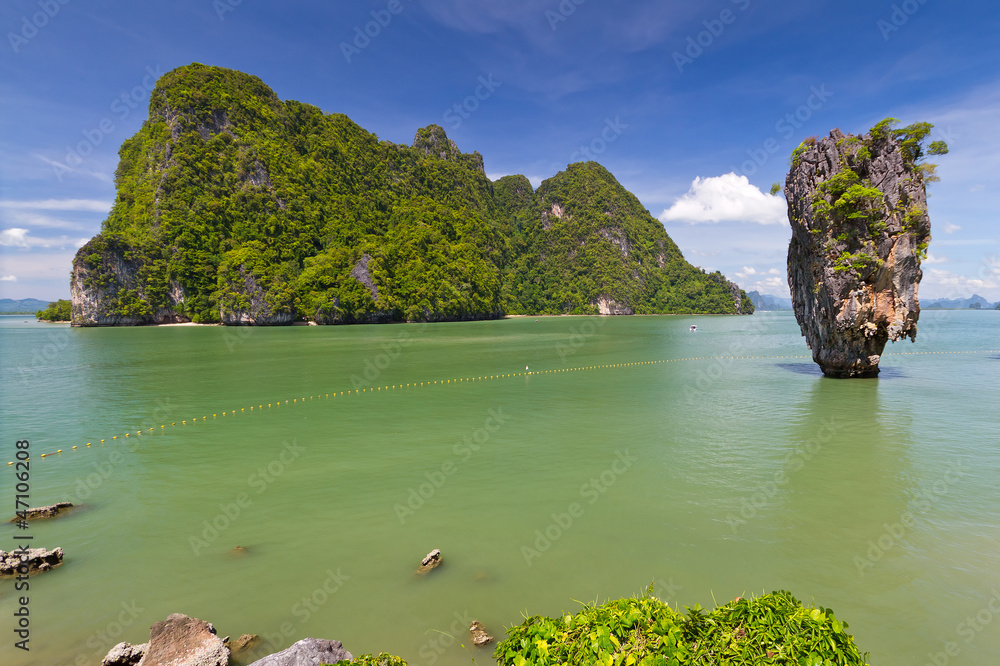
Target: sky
694 106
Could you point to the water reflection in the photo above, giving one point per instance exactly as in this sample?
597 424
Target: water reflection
813 370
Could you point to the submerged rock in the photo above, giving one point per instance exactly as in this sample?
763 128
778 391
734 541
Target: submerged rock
244 642
478 634
431 561
185 641
307 652
858 211
125 654
50 511
35 559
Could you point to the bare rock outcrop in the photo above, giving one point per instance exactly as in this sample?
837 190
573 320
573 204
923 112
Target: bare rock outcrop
108 287
125 654
478 634
307 652
50 511
431 561
858 211
184 641
29 561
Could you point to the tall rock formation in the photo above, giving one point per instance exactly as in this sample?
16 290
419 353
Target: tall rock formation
235 206
858 210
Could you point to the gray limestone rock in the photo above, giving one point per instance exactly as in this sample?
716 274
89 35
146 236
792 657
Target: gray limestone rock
307 652
125 654
858 212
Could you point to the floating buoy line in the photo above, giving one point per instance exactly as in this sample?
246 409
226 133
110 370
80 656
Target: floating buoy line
441 382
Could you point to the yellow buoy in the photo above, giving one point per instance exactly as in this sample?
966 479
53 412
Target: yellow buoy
44 454
59 451
115 437
102 441
74 447
126 434
88 443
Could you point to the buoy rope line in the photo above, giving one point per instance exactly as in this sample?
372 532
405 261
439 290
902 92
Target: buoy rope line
412 385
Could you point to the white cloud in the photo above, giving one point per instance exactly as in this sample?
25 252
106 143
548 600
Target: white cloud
958 284
17 237
933 259
8 278
91 205
950 228
14 237
726 198
750 271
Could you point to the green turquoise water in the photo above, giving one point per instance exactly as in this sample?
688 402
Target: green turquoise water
710 477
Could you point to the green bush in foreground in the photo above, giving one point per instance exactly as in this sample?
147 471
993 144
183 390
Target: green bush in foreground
772 629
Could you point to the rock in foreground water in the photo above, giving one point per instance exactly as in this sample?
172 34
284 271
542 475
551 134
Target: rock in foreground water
32 560
307 652
184 641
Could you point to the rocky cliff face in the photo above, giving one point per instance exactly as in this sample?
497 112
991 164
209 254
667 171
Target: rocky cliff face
858 210
108 287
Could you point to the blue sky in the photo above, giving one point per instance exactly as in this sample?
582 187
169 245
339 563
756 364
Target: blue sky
694 106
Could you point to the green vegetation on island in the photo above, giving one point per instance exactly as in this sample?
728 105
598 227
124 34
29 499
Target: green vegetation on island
233 205
60 310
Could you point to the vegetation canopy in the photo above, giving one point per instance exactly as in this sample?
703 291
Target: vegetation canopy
234 205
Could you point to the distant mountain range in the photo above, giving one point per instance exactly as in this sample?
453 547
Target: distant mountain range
32 305
768 302
976 302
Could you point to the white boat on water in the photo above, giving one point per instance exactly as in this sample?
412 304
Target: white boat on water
693 327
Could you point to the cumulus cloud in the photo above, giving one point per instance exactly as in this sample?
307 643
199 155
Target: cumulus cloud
91 205
726 198
17 237
959 284
934 259
950 228
750 271
8 278
14 237
769 281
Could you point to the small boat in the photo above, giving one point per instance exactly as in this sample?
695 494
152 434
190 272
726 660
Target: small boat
693 327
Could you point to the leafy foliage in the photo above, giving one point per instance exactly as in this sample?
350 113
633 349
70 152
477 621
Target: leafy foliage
61 310
772 629
232 201
382 659
856 214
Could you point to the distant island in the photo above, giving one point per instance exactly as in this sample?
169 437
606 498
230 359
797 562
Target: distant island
23 306
768 302
975 302
234 206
